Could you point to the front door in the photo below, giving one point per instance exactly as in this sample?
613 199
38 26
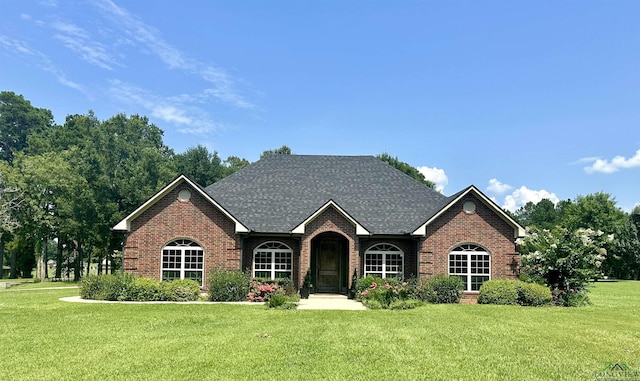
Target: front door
328 279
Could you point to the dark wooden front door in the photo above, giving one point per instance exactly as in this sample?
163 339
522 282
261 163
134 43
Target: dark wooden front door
329 267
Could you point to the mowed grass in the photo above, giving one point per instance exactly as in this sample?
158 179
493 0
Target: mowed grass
46 339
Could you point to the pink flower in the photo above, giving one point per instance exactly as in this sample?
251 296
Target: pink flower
374 285
387 285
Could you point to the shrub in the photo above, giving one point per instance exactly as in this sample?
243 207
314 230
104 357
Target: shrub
570 298
185 290
376 293
440 289
128 287
281 300
372 304
107 286
90 286
498 291
228 286
533 294
406 304
261 290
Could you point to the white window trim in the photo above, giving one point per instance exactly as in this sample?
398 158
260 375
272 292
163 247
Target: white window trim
384 252
182 249
271 250
477 250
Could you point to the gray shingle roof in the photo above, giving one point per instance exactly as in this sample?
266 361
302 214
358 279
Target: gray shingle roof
277 193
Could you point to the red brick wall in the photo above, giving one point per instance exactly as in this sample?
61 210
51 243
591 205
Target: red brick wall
455 227
169 219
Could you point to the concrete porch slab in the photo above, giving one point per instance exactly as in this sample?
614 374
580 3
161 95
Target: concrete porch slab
329 302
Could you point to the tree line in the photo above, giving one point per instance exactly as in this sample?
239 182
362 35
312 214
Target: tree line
63 186
566 221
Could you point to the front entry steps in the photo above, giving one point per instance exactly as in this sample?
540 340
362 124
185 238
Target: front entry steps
329 302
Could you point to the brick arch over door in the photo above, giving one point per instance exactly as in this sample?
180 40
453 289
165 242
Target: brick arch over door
330 221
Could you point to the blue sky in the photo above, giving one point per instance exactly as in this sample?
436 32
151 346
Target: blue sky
522 99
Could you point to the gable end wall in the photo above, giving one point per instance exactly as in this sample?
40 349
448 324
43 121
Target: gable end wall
169 219
484 228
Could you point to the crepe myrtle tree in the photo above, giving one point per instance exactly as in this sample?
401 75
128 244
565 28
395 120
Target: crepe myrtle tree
563 259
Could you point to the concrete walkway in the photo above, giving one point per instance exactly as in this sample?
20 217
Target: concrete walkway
329 302
315 302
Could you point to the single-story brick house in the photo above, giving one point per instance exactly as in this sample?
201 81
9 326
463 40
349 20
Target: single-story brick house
331 215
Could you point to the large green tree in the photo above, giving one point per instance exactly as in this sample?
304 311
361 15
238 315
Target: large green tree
233 164
122 159
200 165
542 214
19 119
52 193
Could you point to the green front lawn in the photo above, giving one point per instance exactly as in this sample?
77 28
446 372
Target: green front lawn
45 339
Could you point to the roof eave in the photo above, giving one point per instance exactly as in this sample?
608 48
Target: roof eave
125 224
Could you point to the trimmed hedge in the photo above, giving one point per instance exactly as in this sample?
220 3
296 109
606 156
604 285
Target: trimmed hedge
498 291
128 287
533 294
511 292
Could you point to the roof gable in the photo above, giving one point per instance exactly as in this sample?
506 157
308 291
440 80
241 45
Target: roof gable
125 224
360 230
519 230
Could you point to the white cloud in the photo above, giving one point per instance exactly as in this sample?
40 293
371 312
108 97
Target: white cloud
522 195
178 110
170 114
616 164
496 186
436 175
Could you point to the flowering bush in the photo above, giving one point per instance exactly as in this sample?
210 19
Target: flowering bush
564 260
388 293
260 291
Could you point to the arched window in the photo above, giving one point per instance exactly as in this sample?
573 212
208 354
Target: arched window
272 260
182 259
472 264
383 260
